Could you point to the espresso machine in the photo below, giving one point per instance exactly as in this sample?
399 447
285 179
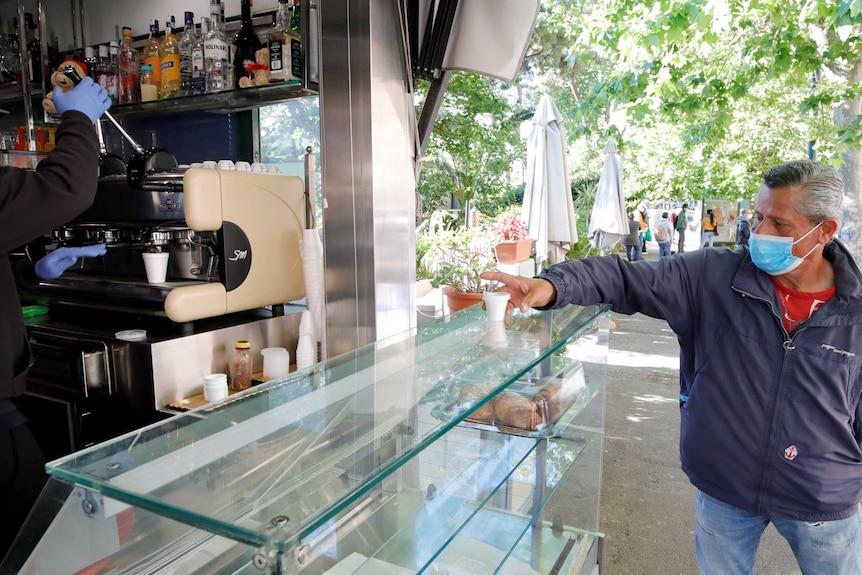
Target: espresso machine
115 351
232 239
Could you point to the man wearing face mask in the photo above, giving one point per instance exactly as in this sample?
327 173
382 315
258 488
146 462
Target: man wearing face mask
771 422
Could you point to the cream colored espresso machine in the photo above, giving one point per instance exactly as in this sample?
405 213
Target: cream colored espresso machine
260 218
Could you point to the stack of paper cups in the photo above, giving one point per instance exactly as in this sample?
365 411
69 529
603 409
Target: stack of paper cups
306 351
315 293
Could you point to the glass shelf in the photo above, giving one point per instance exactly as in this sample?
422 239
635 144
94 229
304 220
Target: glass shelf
220 102
14 91
345 467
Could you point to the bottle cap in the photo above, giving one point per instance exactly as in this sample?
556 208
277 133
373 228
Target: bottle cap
242 344
147 68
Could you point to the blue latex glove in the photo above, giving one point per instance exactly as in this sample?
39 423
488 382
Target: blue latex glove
87 97
55 263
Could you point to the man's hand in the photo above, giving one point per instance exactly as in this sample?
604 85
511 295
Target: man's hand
87 97
524 293
55 263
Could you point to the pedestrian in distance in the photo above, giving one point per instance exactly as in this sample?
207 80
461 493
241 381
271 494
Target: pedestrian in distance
632 241
680 225
743 227
663 235
709 229
32 204
771 420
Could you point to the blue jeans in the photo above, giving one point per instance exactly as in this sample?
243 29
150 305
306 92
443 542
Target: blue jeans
663 249
726 540
633 253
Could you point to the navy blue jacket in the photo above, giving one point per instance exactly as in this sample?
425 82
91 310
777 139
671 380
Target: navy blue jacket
770 422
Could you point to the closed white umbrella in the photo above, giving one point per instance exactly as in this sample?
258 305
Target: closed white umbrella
608 221
548 210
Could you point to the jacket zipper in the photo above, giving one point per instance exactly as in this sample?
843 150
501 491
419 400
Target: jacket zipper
788 347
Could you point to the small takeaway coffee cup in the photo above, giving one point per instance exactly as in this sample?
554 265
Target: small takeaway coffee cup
157 266
495 304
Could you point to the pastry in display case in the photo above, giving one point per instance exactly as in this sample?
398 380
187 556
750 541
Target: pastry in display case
429 452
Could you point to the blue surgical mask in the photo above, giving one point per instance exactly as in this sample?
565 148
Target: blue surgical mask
774 254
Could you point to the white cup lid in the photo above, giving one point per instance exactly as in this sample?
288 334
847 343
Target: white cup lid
132 335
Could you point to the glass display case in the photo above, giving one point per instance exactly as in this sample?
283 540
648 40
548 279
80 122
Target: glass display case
376 461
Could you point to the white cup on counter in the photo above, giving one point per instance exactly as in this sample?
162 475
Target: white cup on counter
215 387
243 167
258 168
226 165
209 165
157 266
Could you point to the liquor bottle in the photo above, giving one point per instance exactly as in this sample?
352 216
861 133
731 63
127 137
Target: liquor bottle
169 56
130 90
13 61
90 61
54 59
216 53
111 71
186 45
278 40
199 75
34 50
100 71
296 41
151 52
245 44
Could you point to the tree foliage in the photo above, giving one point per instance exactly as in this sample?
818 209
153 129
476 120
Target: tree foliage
473 145
701 95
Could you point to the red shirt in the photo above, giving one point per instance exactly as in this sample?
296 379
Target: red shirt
798 306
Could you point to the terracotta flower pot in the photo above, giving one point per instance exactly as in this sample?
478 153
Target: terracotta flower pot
514 251
459 299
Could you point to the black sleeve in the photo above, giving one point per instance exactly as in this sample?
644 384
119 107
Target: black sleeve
34 202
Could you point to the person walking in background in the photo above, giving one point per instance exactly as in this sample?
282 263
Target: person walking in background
771 417
708 229
680 225
633 240
663 235
32 204
644 222
743 227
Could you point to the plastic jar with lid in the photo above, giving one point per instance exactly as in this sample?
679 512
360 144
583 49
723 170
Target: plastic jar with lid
240 367
149 88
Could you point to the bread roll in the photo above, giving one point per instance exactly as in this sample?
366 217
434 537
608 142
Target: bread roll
515 410
549 401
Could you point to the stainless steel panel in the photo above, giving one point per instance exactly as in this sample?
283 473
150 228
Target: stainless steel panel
180 364
367 174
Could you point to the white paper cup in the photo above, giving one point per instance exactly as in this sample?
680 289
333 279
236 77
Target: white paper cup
495 304
215 387
226 165
243 167
157 267
210 165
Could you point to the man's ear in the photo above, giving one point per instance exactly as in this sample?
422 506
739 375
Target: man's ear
827 231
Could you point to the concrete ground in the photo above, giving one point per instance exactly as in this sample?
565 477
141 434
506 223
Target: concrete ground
647 503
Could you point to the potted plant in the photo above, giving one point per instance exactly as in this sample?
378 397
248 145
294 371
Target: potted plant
454 261
514 244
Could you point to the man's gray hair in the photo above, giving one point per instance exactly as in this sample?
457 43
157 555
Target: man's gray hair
821 186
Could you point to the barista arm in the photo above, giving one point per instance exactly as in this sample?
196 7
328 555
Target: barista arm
34 202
